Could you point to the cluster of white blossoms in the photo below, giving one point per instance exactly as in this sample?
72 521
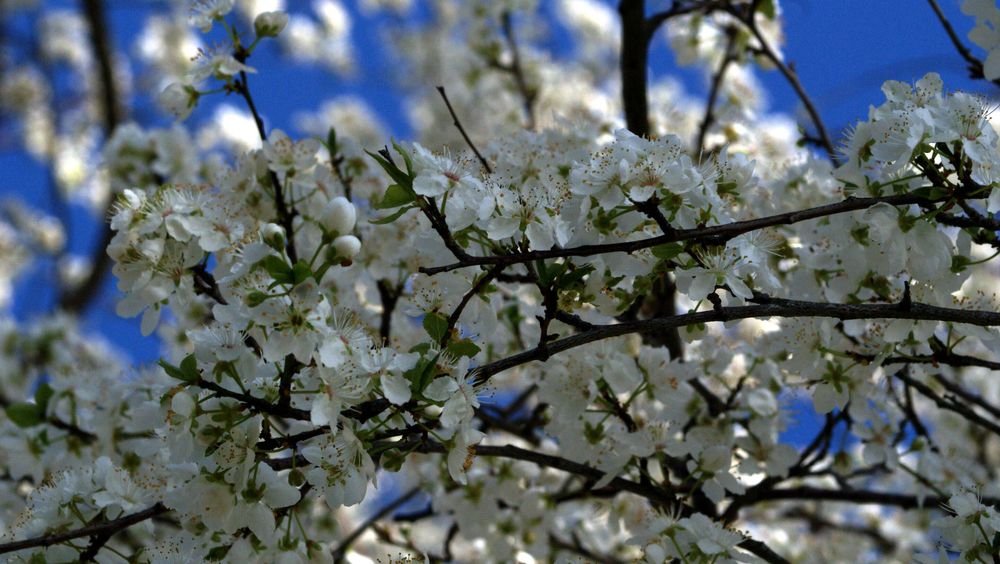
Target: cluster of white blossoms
580 343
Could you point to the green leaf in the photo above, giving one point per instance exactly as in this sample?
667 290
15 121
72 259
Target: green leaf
301 272
218 553
42 396
256 298
392 460
573 277
667 251
421 348
436 325
189 366
394 197
187 372
398 176
959 263
172 371
767 8
406 159
392 217
25 414
423 373
463 347
278 269
931 192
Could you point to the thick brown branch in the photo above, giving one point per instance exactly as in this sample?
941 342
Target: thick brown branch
634 55
810 493
77 298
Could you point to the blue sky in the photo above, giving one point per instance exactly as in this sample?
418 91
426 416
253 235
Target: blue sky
843 51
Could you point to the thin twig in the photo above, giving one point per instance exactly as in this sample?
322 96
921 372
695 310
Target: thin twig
458 125
285 214
528 95
975 65
793 81
347 541
713 94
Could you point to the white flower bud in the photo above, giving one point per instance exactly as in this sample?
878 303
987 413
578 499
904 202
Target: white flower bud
179 99
270 24
347 246
274 235
339 216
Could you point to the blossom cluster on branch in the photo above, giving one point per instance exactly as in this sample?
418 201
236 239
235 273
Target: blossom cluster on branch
572 320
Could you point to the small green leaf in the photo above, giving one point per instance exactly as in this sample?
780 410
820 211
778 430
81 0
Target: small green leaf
256 298
667 251
187 372
172 371
301 272
392 460
392 217
394 197
959 263
42 396
573 277
767 8
421 348
25 414
424 373
218 553
406 159
398 176
463 347
278 269
436 325
930 192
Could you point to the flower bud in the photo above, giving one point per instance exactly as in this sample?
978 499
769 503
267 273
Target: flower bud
179 99
274 235
347 246
339 216
270 24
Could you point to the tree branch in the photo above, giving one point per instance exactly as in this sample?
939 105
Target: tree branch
634 55
713 235
770 307
100 529
458 125
713 94
793 80
346 542
975 65
77 298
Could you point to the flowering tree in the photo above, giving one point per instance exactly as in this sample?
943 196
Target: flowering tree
568 323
